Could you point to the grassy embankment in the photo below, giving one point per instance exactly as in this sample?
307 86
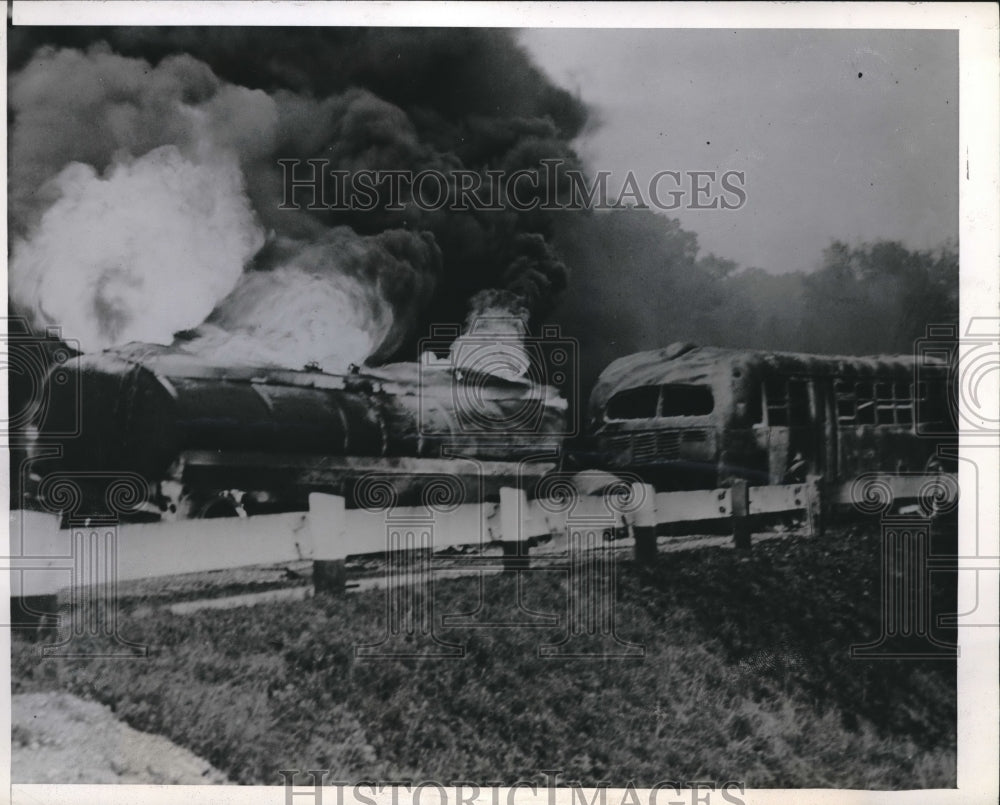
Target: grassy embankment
745 676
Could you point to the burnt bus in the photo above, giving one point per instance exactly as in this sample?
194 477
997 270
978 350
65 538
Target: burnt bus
689 417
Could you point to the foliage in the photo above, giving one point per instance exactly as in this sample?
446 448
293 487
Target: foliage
878 297
637 282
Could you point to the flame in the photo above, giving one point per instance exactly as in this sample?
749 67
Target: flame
493 339
294 318
138 254
495 345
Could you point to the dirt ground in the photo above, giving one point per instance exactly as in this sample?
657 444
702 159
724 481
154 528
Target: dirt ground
59 738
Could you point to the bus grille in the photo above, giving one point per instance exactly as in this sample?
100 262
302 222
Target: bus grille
644 446
620 444
652 445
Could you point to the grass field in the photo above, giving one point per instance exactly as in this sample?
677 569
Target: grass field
746 676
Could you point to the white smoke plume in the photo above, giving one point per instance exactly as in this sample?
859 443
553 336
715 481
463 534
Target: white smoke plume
137 254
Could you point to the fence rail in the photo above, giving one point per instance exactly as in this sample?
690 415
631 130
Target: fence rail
45 558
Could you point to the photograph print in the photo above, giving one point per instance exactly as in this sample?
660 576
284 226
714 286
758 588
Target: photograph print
474 413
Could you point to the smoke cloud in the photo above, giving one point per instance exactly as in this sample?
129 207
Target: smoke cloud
94 110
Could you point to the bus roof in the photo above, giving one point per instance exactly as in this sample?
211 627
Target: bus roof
690 364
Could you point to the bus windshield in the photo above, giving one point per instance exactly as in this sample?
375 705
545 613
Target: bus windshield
681 400
637 403
647 402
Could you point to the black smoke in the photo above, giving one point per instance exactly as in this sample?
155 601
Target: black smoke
375 99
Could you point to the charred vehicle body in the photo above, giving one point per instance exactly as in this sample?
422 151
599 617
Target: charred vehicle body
210 441
688 417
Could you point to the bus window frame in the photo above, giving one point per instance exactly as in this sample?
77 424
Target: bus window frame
710 414
869 411
656 411
659 417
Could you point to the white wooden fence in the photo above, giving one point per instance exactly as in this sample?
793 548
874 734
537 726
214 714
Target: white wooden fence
45 558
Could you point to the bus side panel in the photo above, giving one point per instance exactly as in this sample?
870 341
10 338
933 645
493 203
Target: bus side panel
744 454
869 448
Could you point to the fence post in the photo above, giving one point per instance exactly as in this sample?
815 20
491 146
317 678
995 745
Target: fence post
327 517
35 540
644 524
814 506
513 507
741 514
93 542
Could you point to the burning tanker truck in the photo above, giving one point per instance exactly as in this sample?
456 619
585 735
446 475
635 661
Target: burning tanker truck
211 441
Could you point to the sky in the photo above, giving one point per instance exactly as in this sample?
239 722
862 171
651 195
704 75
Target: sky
848 135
